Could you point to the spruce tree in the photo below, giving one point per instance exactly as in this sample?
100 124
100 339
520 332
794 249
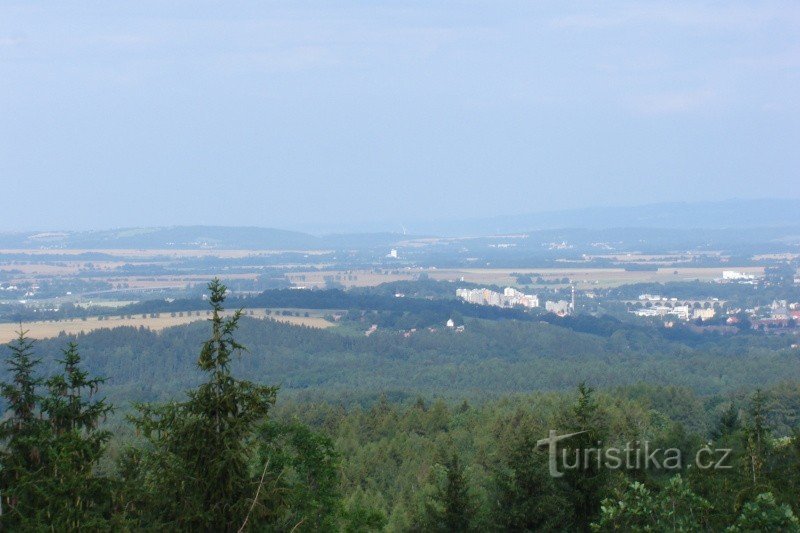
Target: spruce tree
527 498
21 434
757 436
76 497
451 508
197 472
588 482
52 446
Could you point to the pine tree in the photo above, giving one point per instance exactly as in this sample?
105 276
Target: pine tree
451 508
76 497
528 499
198 473
53 446
588 482
728 423
757 439
21 433
70 405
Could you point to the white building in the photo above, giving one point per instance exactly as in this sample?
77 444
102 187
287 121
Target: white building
732 275
510 297
561 307
703 314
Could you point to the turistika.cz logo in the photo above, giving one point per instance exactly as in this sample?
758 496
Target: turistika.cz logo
632 456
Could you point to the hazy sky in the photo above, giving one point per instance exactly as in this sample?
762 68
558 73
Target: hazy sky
299 114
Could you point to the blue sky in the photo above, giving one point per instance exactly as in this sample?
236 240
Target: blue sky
368 115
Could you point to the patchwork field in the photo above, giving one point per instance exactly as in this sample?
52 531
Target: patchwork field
587 278
46 329
583 278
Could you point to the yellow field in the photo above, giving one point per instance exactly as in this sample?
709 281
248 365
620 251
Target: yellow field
46 329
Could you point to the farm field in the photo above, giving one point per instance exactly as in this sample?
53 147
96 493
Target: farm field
47 329
583 278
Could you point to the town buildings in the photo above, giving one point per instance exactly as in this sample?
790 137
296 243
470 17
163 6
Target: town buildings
510 297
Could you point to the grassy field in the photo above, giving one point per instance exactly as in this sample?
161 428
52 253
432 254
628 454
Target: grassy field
46 329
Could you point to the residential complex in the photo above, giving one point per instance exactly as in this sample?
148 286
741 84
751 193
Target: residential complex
510 297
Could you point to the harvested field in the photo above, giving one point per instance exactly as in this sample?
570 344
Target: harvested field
46 329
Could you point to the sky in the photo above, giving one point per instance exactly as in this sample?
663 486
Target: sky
365 116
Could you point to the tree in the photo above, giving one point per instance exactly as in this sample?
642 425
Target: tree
300 480
21 434
765 514
528 499
728 423
588 481
451 507
674 508
53 446
757 439
198 473
76 497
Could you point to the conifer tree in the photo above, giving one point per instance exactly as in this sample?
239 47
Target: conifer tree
21 434
588 482
76 498
300 482
757 435
451 508
53 446
197 474
528 499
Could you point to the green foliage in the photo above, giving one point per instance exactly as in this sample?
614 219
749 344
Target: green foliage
451 507
528 499
765 514
673 508
22 432
589 481
196 472
53 446
301 472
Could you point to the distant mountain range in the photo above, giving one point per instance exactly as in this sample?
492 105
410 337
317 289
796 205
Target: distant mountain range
732 214
679 215
193 237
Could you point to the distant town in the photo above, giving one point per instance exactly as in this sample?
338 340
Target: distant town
511 297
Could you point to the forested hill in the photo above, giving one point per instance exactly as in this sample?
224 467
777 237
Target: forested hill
193 237
381 309
488 358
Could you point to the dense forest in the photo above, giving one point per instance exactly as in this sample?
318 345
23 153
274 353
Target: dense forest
239 424
489 358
